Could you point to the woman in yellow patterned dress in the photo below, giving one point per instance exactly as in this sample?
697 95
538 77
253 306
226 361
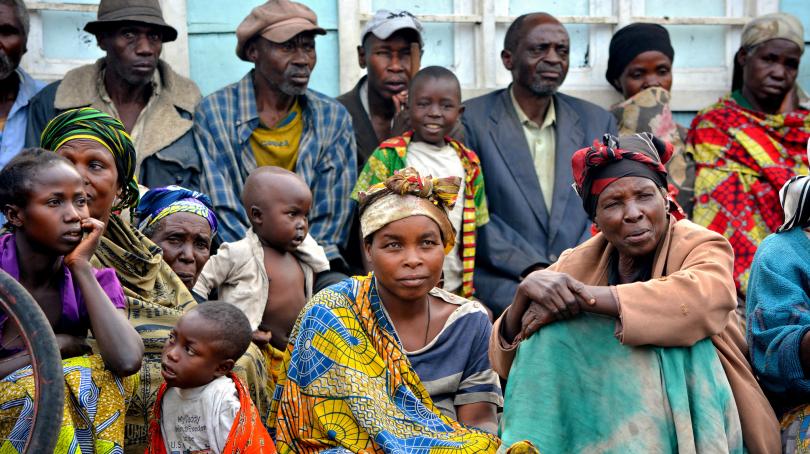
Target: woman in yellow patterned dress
48 250
347 383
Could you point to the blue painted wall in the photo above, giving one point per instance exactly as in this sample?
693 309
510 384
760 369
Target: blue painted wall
801 9
212 39
212 43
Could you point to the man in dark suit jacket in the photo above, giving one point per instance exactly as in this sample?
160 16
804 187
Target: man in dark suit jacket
522 180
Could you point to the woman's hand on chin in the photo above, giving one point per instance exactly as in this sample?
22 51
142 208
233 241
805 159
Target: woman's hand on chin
93 229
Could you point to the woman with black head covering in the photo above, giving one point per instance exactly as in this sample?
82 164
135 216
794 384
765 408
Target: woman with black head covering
640 68
637 345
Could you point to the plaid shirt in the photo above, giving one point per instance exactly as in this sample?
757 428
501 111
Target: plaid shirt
327 160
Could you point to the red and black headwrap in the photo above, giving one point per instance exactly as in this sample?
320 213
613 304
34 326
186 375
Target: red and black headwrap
637 155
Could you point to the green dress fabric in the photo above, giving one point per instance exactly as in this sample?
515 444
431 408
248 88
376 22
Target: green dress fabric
574 387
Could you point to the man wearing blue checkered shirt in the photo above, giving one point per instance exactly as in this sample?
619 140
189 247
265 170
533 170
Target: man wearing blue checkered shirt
271 118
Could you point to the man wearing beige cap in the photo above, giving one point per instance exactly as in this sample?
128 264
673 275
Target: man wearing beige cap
271 118
131 83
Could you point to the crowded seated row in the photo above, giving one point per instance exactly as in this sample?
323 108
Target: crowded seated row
400 270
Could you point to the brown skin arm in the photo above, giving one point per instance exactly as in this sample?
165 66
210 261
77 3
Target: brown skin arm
14 362
119 344
546 296
69 347
481 415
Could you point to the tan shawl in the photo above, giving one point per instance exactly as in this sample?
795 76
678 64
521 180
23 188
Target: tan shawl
691 296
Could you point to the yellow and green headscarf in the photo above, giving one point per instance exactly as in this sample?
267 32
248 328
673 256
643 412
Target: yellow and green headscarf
92 124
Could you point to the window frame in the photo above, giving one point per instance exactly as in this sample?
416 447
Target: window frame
49 69
693 88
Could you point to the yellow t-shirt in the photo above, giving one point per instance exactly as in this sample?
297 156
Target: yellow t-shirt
278 146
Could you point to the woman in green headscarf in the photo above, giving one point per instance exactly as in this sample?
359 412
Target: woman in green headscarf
103 153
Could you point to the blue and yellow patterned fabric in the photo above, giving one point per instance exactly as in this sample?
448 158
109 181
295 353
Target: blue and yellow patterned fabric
346 385
95 404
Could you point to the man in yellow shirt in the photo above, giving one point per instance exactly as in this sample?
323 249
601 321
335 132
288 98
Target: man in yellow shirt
278 145
271 117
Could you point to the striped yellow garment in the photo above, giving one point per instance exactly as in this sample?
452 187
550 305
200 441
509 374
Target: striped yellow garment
95 403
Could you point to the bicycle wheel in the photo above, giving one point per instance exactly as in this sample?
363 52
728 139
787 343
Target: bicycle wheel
46 365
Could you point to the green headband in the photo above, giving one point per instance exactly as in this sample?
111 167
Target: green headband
89 123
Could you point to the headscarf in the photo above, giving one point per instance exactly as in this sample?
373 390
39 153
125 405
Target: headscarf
159 203
765 28
637 155
406 194
772 26
91 124
795 199
627 43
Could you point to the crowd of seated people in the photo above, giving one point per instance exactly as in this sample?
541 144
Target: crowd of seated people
398 270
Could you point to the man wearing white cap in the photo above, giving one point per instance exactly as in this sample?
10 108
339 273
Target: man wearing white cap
271 118
376 102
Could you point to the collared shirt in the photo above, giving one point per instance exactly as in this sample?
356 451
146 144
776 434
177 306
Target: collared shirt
542 141
327 160
364 100
278 145
13 135
137 129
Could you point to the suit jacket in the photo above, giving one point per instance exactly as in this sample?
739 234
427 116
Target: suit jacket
521 232
364 135
690 296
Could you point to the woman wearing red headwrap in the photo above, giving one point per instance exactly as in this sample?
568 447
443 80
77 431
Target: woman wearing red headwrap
639 346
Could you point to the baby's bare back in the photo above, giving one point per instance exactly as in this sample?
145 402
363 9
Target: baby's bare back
286 295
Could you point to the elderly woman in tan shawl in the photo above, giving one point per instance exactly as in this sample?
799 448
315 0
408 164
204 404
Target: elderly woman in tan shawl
638 348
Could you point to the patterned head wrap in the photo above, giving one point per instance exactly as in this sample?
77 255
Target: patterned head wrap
773 26
637 155
406 194
91 124
159 203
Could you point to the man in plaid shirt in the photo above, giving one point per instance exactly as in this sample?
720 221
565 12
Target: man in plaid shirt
271 118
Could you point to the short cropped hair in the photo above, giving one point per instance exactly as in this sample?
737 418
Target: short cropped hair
435 72
21 12
229 326
513 33
18 176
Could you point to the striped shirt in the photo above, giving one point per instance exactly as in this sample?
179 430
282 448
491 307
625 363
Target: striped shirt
327 160
454 366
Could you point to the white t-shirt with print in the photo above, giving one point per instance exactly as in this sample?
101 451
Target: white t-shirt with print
198 420
443 162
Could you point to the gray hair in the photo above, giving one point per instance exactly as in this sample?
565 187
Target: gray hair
21 12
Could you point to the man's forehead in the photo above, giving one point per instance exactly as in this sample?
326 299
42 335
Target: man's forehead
545 32
9 18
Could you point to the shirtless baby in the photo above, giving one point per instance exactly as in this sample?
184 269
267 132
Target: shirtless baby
269 273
